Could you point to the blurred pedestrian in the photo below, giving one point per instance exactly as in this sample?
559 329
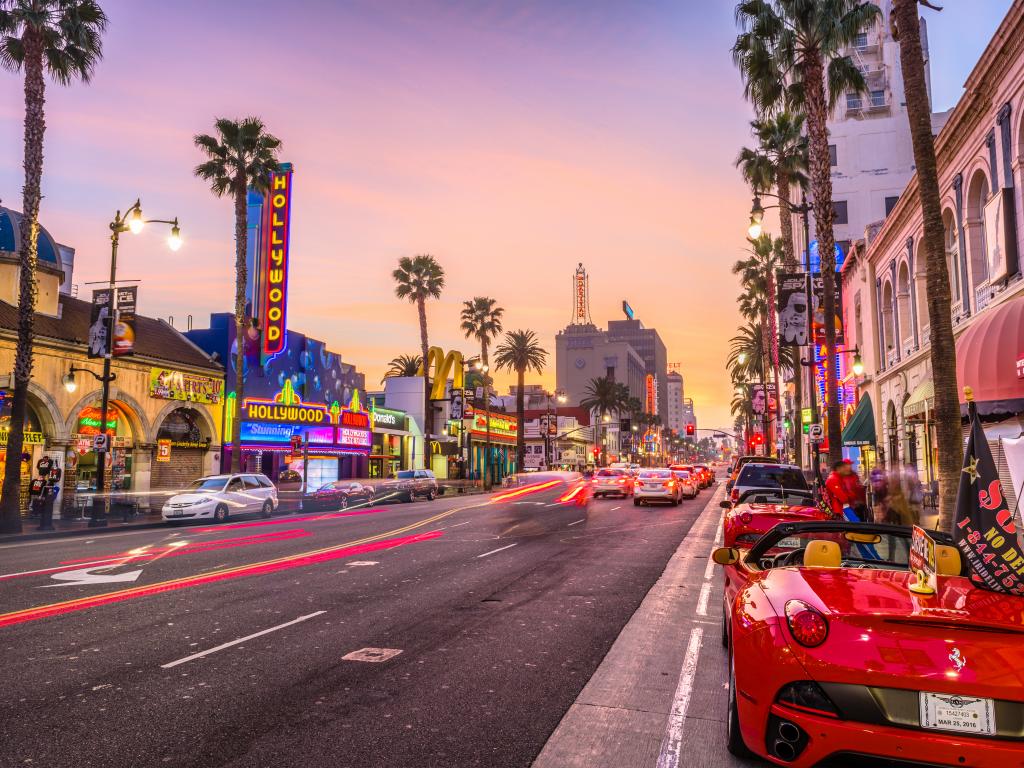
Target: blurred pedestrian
846 490
879 494
898 510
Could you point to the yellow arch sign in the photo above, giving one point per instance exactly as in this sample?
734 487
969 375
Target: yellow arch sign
443 365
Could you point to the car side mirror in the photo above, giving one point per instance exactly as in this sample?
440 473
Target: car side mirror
726 555
725 504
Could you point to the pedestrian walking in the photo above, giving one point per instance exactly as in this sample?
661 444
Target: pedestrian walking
846 490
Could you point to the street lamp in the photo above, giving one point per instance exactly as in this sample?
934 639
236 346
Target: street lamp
483 368
858 364
132 221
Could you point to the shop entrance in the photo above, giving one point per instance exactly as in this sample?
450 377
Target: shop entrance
188 447
31 449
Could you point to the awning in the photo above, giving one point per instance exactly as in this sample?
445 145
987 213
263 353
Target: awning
988 359
921 399
860 429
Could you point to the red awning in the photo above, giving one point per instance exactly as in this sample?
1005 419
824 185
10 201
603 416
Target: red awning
987 359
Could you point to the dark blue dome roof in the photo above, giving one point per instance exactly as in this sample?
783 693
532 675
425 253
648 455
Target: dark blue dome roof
10 223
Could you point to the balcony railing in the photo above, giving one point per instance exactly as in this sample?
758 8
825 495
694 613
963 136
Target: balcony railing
983 295
892 357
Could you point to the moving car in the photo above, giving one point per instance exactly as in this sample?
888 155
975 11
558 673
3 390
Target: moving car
688 468
688 483
219 497
612 482
656 485
341 494
408 484
768 475
833 658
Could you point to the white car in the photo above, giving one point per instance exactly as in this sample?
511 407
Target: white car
656 485
219 497
612 482
688 485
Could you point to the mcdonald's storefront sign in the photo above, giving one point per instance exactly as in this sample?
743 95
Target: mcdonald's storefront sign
444 448
441 366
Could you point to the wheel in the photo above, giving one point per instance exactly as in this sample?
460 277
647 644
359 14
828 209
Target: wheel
268 508
407 498
431 494
344 502
734 742
220 514
675 502
636 502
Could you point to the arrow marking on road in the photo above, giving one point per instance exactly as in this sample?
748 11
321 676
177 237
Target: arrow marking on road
92 576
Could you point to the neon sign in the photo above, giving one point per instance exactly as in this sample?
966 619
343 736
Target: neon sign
286 407
276 227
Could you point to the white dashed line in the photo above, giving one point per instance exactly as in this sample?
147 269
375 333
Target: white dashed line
221 647
702 600
614 508
578 522
499 549
458 524
671 745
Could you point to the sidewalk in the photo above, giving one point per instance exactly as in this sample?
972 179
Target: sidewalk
633 711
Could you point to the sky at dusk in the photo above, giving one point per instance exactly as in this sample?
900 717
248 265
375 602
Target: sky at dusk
510 139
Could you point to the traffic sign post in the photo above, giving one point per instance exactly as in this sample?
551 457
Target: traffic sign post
100 442
816 432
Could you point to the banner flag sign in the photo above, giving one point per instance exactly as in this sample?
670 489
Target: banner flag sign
124 327
985 532
818 319
794 317
276 230
763 399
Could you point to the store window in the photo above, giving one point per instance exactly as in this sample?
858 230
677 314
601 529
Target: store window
31 448
119 458
840 212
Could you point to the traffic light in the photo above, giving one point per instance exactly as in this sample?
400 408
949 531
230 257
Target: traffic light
597 452
691 429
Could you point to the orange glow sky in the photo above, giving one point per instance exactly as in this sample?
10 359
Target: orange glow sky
509 139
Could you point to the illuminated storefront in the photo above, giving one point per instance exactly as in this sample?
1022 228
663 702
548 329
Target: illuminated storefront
504 431
389 438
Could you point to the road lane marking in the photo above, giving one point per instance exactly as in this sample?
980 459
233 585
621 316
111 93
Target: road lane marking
222 646
578 522
669 757
614 508
91 575
702 600
710 567
458 524
499 549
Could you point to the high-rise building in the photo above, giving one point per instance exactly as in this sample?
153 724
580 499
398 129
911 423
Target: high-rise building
674 392
652 351
869 137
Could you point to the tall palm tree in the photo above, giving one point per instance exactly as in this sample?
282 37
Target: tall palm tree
520 352
942 350
790 54
605 396
417 279
403 366
62 39
241 155
779 162
481 320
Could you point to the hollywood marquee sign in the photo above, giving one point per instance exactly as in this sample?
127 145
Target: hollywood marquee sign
276 230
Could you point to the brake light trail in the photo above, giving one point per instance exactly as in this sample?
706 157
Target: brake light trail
256 569
525 491
287 520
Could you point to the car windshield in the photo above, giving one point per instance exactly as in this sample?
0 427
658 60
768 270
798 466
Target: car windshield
609 472
769 476
660 474
682 473
776 496
406 474
208 484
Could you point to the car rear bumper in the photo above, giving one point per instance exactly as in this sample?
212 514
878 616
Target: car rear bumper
847 741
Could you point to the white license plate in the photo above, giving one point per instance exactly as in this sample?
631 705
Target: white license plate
963 714
790 543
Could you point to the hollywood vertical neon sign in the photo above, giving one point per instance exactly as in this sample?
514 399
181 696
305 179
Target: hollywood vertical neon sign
277 228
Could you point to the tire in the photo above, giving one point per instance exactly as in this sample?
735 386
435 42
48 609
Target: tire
268 508
407 498
636 502
431 494
221 514
734 742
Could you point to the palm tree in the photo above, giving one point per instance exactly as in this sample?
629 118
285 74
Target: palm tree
403 366
605 396
942 350
520 352
481 320
242 155
790 54
417 279
62 39
779 162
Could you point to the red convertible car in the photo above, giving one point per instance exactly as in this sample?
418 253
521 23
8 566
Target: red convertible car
834 661
760 510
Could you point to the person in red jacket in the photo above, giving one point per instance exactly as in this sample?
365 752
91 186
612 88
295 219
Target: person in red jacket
845 489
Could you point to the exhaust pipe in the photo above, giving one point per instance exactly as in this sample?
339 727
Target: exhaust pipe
789 732
783 750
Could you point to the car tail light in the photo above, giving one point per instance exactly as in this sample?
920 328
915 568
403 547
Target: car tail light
622 481
746 518
670 484
808 625
639 483
807 696
735 495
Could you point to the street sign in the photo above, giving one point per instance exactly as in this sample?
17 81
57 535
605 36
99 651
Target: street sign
816 432
457 406
99 442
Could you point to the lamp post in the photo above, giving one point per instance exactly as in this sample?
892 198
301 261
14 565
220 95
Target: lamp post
560 398
483 369
132 221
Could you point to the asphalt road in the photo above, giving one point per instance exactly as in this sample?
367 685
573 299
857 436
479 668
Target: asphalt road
499 614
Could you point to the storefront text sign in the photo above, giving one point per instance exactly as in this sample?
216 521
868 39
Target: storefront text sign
163 450
287 406
28 438
501 425
388 419
168 384
356 437
276 229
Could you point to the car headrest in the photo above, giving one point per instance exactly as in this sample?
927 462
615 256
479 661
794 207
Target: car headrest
947 560
821 553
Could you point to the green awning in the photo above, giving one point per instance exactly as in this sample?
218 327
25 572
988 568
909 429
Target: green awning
921 400
860 429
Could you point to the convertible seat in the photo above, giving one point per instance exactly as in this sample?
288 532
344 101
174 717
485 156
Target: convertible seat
821 553
947 560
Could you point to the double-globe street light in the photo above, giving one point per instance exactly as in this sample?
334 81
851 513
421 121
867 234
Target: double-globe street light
132 221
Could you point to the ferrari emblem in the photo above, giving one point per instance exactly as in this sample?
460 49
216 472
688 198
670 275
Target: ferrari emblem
959 660
971 470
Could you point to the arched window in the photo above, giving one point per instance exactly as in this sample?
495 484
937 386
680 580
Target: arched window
888 320
977 197
903 307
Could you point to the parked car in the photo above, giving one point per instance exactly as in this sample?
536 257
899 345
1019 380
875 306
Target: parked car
219 497
707 473
408 484
612 482
656 485
340 494
740 461
771 476
689 485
